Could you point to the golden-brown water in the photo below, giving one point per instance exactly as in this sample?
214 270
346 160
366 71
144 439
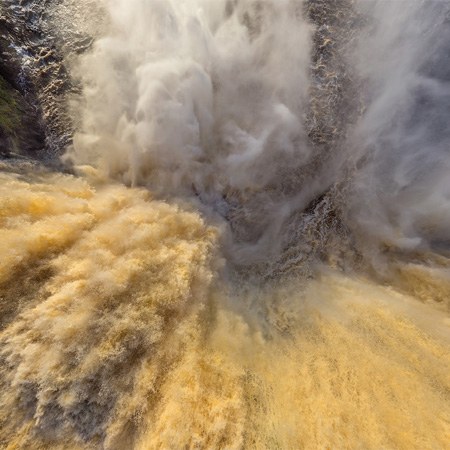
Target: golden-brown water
119 331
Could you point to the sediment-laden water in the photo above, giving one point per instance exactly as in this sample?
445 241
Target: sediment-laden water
248 246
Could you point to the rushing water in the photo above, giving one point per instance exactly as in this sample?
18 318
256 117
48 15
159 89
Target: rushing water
253 250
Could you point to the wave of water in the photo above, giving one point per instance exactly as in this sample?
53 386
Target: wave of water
254 251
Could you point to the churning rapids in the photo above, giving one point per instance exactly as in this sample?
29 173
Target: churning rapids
248 244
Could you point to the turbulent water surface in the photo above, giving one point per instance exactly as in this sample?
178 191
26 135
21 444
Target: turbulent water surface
249 244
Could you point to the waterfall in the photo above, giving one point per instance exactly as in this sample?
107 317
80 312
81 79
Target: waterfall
249 244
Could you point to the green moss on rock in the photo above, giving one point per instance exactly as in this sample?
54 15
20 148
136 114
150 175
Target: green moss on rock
10 114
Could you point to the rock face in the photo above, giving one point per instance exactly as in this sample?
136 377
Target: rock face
21 124
34 83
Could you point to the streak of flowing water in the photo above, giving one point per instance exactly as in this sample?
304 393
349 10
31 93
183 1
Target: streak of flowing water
254 252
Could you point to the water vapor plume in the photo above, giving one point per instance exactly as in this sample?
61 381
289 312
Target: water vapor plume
193 92
201 98
401 191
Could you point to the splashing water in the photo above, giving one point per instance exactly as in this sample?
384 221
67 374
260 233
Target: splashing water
254 252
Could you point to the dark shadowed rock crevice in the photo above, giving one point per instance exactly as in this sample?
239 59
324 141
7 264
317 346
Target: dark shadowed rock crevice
21 126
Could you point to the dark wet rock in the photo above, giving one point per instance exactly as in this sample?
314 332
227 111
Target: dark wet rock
34 83
21 128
